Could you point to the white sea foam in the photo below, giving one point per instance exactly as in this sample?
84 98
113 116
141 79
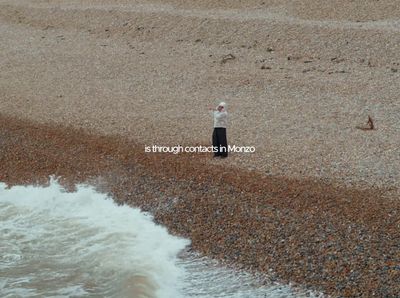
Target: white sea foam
55 243
81 243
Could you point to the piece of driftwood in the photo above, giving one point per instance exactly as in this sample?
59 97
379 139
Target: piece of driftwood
369 126
370 123
227 58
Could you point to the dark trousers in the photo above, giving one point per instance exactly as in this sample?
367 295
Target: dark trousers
220 142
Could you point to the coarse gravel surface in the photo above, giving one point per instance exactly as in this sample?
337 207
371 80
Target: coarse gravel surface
303 80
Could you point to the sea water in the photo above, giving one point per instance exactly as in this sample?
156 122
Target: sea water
55 243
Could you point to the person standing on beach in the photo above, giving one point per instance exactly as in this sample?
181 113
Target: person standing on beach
219 141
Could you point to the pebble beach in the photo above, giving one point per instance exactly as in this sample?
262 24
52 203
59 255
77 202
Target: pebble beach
85 86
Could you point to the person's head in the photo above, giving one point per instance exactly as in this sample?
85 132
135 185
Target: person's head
221 106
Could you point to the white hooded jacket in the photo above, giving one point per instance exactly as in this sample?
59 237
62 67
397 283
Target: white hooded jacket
221 118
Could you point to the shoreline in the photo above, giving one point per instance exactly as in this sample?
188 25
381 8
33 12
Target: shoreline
341 241
298 89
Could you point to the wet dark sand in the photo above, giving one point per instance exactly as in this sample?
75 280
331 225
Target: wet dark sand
342 241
